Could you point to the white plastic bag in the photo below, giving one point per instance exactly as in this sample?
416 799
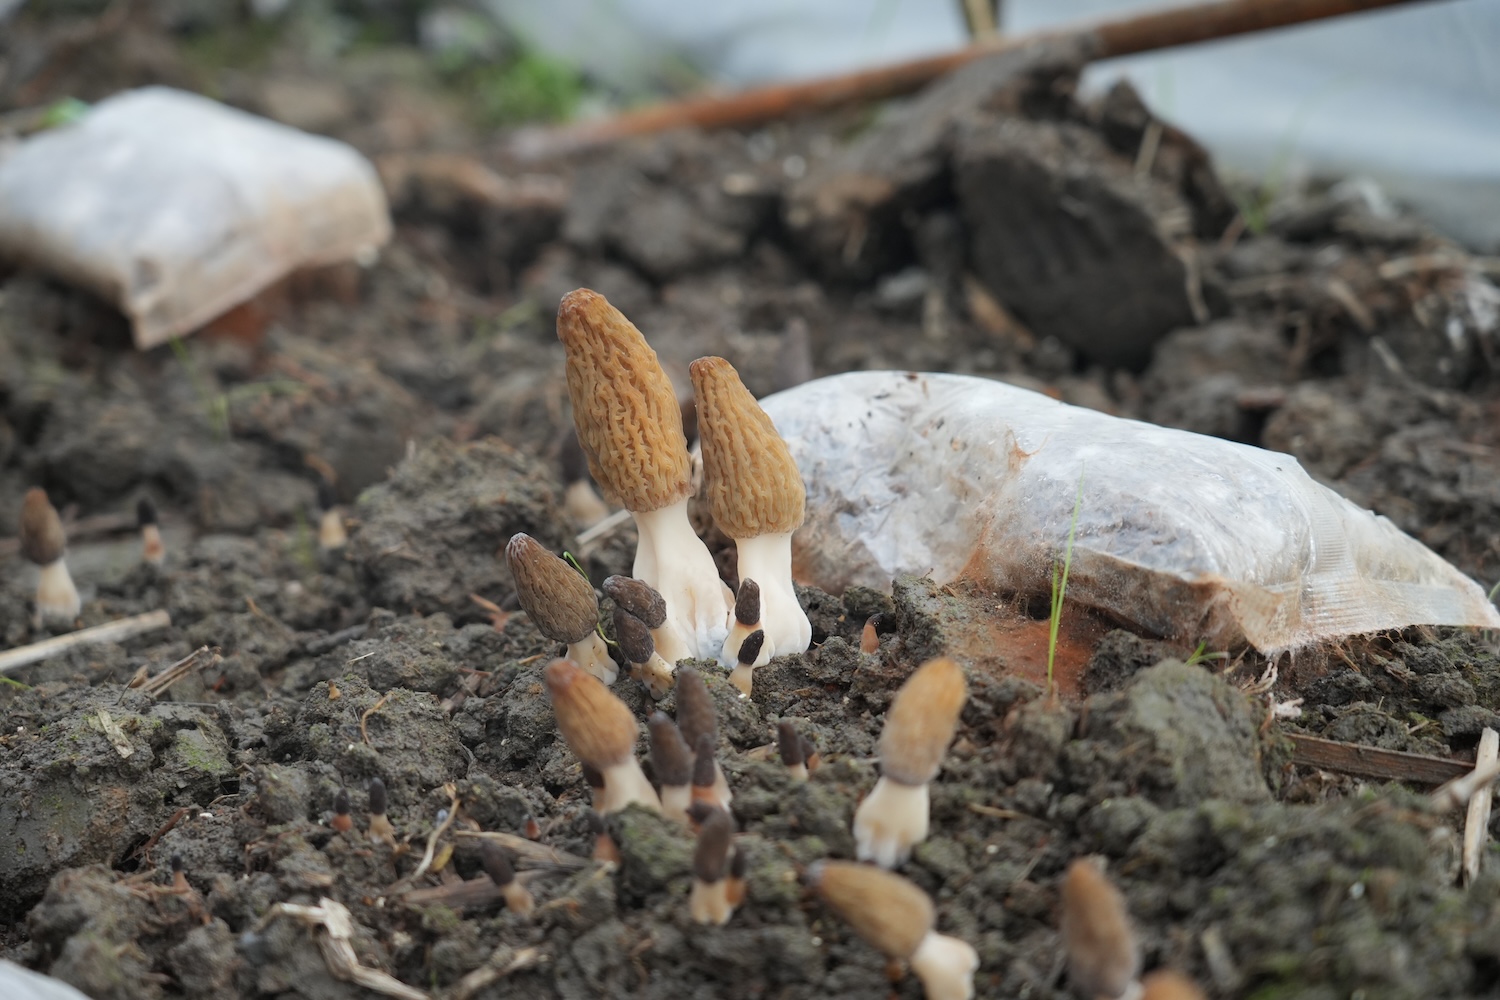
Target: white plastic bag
176 208
1178 534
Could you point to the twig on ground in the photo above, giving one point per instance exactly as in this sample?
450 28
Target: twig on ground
1477 823
502 963
199 659
337 949
529 850
125 628
1372 762
603 529
1460 790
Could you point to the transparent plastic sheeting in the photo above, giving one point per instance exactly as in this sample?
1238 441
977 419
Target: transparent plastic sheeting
1178 534
176 208
18 983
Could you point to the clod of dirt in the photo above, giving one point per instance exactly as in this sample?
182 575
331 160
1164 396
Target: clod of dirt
429 536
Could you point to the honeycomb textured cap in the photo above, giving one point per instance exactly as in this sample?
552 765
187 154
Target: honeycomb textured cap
552 593
921 722
42 537
639 598
598 727
633 637
883 908
749 478
627 415
671 758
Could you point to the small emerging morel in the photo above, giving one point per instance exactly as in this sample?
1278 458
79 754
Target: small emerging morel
919 725
756 497
380 825
153 552
735 887
44 543
179 877
697 717
497 865
561 602
605 848
869 638
897 918
646 664
341 821
1165 984
746 622
789 743
331 532
1103 956
641 600
601 730
705 772
630 427
750 652
672 760
709 902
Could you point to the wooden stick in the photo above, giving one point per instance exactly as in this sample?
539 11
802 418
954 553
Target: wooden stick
1124 36
1370 762
125 628
1477 823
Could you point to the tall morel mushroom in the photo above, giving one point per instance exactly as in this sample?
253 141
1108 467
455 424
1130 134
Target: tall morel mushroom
918 728
44 543
600 729
756 496
1103 956
897 918
630 426
561 602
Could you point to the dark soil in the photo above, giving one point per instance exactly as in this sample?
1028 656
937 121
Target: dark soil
429 388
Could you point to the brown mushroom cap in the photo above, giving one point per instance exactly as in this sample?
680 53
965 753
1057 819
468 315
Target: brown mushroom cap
696 713
883 908
789 742
628 417
671 758
921 722
1103 958
639 598
42 537
556 596
598 727
633 637
752 485
711 852
747 603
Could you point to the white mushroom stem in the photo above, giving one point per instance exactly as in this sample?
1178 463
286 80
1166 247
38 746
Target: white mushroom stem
740 677
889 822
675 800
767 559
582 505
656 673
625 783
592 654
331 532
946 967
675 562
709 902
669 644
56 598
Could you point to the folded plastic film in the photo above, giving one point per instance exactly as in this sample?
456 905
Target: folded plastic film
1177 533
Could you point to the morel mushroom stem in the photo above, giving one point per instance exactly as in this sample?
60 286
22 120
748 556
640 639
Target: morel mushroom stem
44 543
670 558
746 622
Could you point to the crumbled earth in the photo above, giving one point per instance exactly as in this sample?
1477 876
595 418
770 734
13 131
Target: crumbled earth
940 233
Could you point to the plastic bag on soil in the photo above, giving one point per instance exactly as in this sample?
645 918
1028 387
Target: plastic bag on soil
1178 534
176 208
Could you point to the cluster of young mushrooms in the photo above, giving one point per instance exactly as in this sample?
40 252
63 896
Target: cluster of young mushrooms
676 607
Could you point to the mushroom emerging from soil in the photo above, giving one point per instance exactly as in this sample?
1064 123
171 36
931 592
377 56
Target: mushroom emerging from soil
696 718
44 543
746 622
581 504
869 637
380 825
605 848
672 760
630 426
705 772
600 729
646 664
709 902
897 918
341 821
1103 957
497 865
331 533
789 742
646 604
562 604
153 552
756 496
750 650
179 877
1164 984
918 728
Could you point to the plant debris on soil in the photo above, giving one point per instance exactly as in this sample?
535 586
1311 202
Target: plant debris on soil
996 225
